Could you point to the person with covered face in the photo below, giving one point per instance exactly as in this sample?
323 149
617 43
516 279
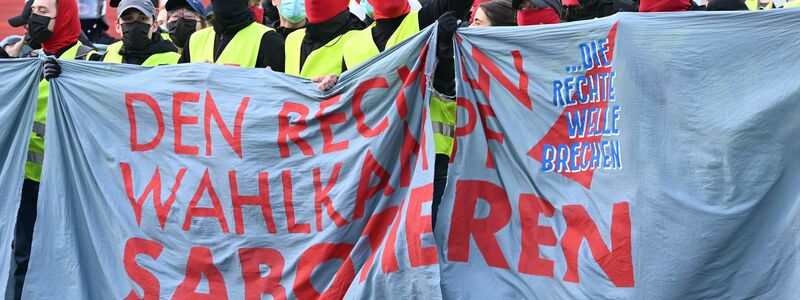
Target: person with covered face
291 16
157 5
317 50
235 39
56 26
538 12
184 17
141 43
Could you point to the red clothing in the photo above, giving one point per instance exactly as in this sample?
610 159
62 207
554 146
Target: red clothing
67 27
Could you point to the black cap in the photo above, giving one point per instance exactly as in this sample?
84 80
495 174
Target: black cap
22 19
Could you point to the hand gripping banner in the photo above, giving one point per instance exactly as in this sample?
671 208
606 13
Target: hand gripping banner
17 106
640 156
214 182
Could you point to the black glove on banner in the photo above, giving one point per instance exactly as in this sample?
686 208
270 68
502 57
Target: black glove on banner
448 23
51 68
229 13
444 76
136 35
37 30
181 30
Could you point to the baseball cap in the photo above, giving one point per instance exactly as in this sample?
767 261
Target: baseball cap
115 3
22 19
145 6
195 5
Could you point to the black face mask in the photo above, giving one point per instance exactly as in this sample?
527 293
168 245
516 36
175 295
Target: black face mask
181 30
37 30
271 12
136 35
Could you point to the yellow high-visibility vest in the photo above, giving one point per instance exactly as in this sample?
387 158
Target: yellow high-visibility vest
241 51
165 58
33 165
361 46
324 61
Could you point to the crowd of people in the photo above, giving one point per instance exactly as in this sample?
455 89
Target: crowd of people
315 39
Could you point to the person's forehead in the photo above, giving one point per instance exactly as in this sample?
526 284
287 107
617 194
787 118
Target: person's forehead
134 12
45 3
183 8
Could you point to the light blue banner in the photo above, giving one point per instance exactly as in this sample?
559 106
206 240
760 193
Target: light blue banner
17 106
640 156
212 181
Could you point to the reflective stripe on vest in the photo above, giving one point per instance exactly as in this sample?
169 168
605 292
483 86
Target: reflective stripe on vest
324 61
35 158
241 51
33 166
443 121
38 128
361 47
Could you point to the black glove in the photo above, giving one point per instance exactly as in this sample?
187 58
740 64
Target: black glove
444 76
448 23
51 68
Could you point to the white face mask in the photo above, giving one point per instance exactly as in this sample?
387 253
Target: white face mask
293 11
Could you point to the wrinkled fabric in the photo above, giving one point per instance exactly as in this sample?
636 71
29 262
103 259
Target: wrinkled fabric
17 106
99 222
680 180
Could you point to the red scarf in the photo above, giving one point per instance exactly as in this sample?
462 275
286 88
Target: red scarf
388 9
319 11
258 14
67 28
664 5
537 16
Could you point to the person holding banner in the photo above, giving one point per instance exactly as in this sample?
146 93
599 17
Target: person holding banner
141 45
394 23
236 39
56 26
317 51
